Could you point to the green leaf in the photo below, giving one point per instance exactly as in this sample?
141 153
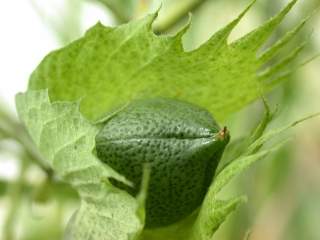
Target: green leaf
110 66
240 145
66 139
208 222
213 211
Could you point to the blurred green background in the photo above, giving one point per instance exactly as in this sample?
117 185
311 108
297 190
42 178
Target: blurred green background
283 190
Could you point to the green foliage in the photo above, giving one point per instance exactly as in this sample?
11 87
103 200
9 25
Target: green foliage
66 139
130 61
81 83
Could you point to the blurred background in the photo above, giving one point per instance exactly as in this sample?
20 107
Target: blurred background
283 190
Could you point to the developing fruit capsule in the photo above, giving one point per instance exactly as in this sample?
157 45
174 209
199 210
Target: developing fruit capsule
181 142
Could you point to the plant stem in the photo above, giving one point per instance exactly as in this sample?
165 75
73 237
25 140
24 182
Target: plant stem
15 199
179 11
119 14
60 190
12 129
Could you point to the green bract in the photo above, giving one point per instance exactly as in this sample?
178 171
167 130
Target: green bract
181 142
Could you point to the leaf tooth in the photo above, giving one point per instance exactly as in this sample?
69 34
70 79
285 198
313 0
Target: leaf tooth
279 67
281 78
98 27
274 49
149 20
209 221
273 133
256 38
269 83
183 30
176 40
226 208
220 38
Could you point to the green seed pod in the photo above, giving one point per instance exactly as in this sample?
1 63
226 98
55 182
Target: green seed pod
181 142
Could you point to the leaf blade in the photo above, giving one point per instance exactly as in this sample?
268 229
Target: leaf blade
66 139
132 62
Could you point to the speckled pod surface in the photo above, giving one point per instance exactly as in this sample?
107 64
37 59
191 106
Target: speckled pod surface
181 142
